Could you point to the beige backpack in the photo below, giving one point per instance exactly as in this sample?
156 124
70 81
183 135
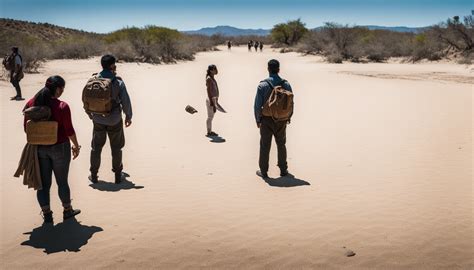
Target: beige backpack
279 105
98 96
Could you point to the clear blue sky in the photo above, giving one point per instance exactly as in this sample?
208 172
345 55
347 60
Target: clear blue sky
106 15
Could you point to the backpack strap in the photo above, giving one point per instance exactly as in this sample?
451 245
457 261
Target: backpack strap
283 81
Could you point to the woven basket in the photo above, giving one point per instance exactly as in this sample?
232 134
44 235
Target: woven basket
42 132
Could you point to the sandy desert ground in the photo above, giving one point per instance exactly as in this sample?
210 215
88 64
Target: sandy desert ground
381 154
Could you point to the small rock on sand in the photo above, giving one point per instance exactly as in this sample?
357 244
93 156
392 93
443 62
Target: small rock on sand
350 253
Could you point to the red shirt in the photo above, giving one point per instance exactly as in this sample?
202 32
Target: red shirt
60 113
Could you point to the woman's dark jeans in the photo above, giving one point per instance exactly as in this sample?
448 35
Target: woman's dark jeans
54 158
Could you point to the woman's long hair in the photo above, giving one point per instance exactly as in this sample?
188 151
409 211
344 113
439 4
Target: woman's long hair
44 96
209 69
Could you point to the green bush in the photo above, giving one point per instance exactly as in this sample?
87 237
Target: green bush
289 33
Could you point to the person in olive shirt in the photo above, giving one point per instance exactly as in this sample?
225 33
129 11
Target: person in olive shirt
268 127
111 125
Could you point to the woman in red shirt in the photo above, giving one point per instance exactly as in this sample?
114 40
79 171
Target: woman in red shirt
56 158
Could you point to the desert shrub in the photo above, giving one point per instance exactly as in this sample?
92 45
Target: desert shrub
342 42
39 42
123 50
155 44
289 33
77 47
456 34
425 47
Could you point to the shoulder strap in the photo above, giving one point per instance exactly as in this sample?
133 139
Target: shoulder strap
279 84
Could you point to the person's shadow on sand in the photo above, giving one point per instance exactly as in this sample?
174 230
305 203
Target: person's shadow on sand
112 187
216 139
69 235
286 181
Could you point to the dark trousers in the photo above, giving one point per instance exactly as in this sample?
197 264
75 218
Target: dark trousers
16 84
268 129
117 142
54 158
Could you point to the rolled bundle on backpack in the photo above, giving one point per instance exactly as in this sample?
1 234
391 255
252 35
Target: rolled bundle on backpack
38 113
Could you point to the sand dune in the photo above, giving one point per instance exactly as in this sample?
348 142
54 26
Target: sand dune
382 166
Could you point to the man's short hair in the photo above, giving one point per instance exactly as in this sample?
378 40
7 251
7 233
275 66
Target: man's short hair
15 49
273 66
107 60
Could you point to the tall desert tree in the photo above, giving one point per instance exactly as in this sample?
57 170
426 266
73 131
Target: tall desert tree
456 34
289 33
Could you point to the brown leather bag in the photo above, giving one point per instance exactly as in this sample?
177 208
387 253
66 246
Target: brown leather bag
98 95
279 105
42 132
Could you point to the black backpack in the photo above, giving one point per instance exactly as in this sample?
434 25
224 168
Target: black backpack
9 62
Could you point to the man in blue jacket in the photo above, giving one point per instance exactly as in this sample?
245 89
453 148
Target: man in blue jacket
268 127
111 125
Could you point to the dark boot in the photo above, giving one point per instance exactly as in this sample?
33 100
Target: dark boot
119 177
94 178
284 173
69 213
48 217
264 175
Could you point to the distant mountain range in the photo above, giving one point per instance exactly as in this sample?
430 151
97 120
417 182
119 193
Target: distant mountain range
234 31
228 31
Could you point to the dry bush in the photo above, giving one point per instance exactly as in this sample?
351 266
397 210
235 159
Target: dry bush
344 43
77 47
123 50
156 45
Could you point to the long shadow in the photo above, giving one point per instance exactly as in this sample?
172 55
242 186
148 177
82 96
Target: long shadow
216 139
286 181
112 187
69 235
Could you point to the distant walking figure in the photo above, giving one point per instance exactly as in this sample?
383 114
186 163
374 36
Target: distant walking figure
55 158
250 45
212 98
256 45
261 46
229 45
272 117
14 64
107 116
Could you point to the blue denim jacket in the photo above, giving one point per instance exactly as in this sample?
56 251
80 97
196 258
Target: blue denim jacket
125 104
263 93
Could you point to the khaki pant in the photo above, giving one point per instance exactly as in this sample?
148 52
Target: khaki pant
210 115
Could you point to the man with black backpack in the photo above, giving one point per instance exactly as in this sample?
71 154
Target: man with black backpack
14 64
105 97
273 109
